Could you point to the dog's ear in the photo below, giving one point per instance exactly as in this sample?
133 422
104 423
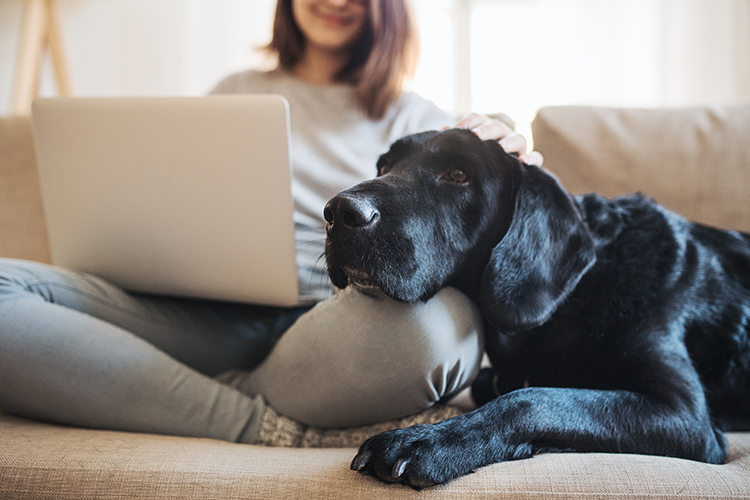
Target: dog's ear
541 258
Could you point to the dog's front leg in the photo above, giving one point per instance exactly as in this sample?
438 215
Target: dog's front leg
534 420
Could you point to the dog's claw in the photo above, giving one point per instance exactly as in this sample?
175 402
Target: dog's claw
360 460
412 456
399 468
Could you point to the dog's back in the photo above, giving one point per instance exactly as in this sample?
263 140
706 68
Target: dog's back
679 278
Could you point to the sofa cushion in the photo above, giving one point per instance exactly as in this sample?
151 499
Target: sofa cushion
22 230
47 461
694 161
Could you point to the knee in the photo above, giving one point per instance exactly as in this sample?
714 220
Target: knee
434 347
28 279
360 358
17 277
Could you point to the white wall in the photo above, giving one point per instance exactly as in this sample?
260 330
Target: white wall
144 47
524 53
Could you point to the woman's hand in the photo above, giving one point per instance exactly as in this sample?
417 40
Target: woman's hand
487 128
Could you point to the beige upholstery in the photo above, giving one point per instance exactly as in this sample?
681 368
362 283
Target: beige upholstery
43 461
22 230
694 161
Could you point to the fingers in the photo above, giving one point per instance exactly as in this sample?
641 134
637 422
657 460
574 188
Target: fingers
514 143
472 120
487 128
484 127
532 158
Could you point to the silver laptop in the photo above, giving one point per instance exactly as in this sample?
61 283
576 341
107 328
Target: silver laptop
185 196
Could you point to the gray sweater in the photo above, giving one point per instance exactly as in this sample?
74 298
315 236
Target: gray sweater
334 146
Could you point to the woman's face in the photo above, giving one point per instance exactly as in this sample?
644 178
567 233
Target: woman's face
331 25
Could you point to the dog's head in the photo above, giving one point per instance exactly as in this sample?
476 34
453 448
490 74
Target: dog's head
450 209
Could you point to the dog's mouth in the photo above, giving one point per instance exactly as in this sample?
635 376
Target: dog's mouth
360 278
358 265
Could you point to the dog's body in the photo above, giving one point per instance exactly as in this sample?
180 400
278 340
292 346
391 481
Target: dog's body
611 325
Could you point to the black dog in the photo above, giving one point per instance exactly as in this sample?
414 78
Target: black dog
612 325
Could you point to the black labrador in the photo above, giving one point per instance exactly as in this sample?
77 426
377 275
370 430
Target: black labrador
611 325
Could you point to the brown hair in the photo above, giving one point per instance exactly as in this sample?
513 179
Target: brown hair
381 58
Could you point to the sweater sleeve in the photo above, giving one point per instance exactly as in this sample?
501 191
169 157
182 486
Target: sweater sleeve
244 82
414 114
225 86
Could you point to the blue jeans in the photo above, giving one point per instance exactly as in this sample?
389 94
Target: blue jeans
77 350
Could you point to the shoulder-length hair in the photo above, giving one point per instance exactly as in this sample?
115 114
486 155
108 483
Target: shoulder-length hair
385 54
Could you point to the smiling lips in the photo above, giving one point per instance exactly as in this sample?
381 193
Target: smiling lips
333 20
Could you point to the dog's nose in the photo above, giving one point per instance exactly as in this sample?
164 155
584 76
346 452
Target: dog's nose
349 213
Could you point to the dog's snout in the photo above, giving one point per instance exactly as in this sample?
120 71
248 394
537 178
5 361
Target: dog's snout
350 213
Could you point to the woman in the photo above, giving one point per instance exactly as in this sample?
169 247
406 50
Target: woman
77 350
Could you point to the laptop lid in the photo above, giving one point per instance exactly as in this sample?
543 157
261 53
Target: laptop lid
185 196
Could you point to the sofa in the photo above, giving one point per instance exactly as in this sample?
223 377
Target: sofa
695 161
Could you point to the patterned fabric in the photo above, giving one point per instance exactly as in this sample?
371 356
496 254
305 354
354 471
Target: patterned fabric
277 430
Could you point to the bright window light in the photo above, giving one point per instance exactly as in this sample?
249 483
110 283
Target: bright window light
434 78
525 54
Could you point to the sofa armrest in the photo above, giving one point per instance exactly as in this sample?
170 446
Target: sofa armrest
694 161
22 230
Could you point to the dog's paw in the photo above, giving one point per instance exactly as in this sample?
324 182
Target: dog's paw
416 456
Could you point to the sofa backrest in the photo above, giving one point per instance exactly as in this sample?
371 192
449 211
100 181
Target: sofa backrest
694 161
22 230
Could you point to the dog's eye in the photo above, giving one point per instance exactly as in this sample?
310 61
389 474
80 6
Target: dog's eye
384 164
457 175
383 168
